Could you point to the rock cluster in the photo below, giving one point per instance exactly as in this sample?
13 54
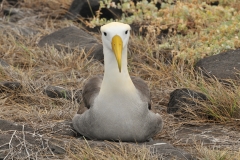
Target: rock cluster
72 38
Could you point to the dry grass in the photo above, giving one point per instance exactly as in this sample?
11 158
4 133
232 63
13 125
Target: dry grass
224 97
110 150
35 68
52 4
207 153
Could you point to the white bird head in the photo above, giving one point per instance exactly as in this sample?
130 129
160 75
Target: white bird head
115 36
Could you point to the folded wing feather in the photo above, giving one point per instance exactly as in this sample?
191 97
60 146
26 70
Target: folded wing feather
93 85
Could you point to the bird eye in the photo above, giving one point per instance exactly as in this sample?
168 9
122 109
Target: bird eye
126 32
105 34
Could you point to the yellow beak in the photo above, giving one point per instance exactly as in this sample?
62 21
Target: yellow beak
117 47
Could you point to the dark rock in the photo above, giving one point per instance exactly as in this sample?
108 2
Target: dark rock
10 86
25 145
97 52
55 148
167 151
13 2
88 8
4 63
180 98
10 12
16 14
222 66
217 135
59 92
9 28
7 125
10 2
72 37
9 70
21 141
214 3
65 128
60 129
23 18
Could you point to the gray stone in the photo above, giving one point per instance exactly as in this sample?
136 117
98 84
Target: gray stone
10 86
12 2
65 128
168 151
16 14
72 37
180 98
57 92
217 135
12 72
13 14
23 17
222 66
3 63
7 125
9 28
60 92
25 145
22 141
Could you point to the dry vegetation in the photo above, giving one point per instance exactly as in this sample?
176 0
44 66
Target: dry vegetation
110 151
36 68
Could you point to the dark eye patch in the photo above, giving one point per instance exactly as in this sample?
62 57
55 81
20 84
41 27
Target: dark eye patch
126 32
105 34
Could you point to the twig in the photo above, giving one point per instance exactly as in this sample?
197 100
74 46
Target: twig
10 146
24 142
47 143
1 5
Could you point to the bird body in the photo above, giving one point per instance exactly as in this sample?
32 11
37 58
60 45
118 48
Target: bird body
117 104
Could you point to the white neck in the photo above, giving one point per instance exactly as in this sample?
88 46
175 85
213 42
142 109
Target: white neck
113 80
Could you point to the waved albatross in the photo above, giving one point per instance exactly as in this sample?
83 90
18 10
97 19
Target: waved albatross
117 105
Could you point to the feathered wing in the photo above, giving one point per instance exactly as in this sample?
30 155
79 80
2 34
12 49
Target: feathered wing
142 87
90 91
92 88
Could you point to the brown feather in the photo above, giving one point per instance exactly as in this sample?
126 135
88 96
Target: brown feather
142 87
91 90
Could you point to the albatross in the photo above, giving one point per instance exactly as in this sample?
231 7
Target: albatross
117 105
